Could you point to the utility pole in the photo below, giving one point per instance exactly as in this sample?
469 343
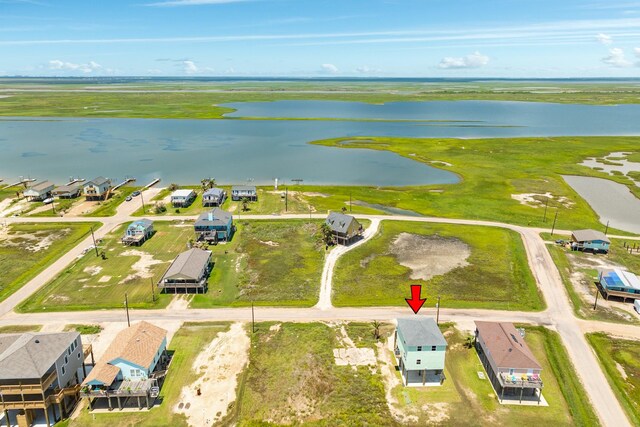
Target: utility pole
595 304
546 205
143 208
606 229
438 311
286 199
126 306
94 241
554 222
253 320
350 202
153 291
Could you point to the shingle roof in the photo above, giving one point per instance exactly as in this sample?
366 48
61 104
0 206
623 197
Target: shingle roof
243 188
506 346
144 223
137 344
41 186
214 192
182 193
30 355
68 188
589 235
339 222
98 181
217 215
188 264
420 331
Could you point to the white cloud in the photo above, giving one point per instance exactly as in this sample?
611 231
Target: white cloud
604 38
329 68
191 68
475 60
616 58
173 3
91 66
363 70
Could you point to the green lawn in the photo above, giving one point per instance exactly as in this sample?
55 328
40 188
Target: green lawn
497 276
27 249
6 192
582 308
109 207
60 206
526 165
187 343
84 329
92 283
620 361
268 263
19 329
467 400
292 379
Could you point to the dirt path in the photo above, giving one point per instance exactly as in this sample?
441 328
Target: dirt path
218 367
324 301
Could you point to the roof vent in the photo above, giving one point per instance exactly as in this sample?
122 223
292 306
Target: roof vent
37 341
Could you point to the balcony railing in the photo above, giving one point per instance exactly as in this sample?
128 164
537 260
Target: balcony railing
29 388
520 380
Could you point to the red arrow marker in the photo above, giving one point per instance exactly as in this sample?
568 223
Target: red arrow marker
415 302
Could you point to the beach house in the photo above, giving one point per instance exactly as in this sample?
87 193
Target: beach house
239 192
39 191
213 197
182 198
214 226
97 189
420 350
345 228
131 369
590 240
70 191
510 365
188 273
618 283
138 232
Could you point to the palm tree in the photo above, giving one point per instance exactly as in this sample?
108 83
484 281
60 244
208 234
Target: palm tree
326 234
245 203
376 330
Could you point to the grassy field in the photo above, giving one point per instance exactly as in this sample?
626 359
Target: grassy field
19 329
467 400
269 201
84 329
620 361
202 105
292 379
567 269
108 208
526 165
186 344
268 263
27 249
497 276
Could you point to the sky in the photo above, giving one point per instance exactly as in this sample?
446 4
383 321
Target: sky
321 38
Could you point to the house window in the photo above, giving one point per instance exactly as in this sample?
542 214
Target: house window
433 348
418 362
63 370
79 355
66 360
419 348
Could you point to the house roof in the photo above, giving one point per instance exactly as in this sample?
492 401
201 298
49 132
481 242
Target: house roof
137 344
506 346
589 235
618 278
340 222
215 192
420 331
98 181
188 264
214 217
41 186
243 188
68 188
144 223
182 193
30 355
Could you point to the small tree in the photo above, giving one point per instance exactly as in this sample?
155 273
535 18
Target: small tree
159 208
344 209
326 234
245 203
173 187
376 330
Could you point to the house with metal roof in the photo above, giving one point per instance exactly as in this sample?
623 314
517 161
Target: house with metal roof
183 198
239 192
70 191
214 226
213 197
590 240
511 367
188 273
97 189
40 375
618 283
138 232
131 368
345 228
420 350
39 191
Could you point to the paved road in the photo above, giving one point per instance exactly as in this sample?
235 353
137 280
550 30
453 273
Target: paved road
558 315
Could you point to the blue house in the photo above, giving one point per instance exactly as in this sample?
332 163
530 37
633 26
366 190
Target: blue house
618 283
590 240
129 366
215 226
137 232
420 349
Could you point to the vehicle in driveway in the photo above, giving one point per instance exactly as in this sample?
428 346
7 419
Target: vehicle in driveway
128 199
135 194
48 200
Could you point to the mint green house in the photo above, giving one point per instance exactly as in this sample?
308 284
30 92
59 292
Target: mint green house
420 350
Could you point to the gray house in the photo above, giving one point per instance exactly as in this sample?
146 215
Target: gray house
214 226
188 273
97 189
239 192
40 373
346 229
70 191
213 197
420 349
39 191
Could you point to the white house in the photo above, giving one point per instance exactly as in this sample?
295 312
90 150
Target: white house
182 198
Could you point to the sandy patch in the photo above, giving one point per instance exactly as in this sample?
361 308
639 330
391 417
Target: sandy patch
429 256
9 208
438 413
218 367
104 279
270 243
440 162
81 208
142 267
391 381
620 369
538 200
93 270
350 355
179 302
313 194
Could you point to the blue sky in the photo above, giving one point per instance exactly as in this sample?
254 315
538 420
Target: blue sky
388 38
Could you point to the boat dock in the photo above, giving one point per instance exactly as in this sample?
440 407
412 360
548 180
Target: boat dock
125 182
151 184
73 180
24 181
